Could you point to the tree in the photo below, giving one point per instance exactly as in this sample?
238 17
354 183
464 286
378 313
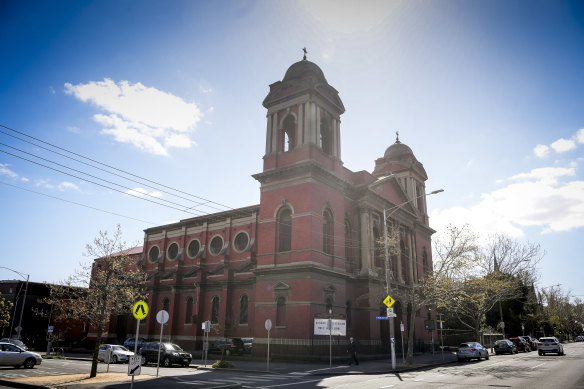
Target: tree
110 285
5 307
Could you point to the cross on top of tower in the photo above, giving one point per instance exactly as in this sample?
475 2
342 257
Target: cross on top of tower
397 137
304 49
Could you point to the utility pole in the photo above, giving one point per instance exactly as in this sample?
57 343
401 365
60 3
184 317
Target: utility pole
387 278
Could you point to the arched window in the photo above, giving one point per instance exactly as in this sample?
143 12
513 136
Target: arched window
280 311
215 309
348 314
166 304
243 304
326 139
379 253
327 232
285 230
404 261
189 311
329 304
289 134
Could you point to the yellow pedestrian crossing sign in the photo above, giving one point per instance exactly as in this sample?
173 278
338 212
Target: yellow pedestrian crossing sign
140 310
389 301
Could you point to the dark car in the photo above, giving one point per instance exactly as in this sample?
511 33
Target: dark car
521 344
247 345
505 346
170 354
131 342
532 341
230 345
17 342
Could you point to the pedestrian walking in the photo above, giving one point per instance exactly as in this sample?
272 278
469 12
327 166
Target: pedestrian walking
352 350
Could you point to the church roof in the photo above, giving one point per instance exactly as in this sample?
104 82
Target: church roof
303 77
398 151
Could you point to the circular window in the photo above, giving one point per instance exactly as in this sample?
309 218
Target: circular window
153 254
194 247
173 251
240 242
216 245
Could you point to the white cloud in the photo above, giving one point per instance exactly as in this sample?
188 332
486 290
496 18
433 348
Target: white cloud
141 192
63 186
580 136
205 90
73 129
145 117
541 151
4 171
562 145
544 198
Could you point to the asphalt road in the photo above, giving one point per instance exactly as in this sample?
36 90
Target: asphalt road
524 370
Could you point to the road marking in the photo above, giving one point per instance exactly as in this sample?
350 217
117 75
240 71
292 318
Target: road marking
538 365
388 386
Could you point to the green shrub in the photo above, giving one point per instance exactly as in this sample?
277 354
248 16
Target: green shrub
221 365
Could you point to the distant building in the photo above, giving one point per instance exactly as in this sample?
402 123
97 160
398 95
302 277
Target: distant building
37 318
314 244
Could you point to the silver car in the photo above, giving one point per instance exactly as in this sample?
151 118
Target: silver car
469 350
549 344
118 353
12 355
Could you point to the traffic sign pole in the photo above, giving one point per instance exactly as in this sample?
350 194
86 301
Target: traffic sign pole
389 303
140 311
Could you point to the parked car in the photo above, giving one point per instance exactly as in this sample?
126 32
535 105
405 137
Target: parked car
170 354
469 350
118 353
12 355
549 344
580 338
532 341
247 345
17 342
230 345
505 346
521 344
131 342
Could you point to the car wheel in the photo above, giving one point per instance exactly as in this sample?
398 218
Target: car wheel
496 353
460 359
29 363
144 361
487 357
166 362
114 359
561 353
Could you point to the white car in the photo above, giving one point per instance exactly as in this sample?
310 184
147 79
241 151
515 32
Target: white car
469 350
12 355
118 353
549 344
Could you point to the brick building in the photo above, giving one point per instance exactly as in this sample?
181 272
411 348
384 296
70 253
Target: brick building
311 246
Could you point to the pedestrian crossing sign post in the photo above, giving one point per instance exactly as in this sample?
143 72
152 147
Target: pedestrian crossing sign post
389 301
140 310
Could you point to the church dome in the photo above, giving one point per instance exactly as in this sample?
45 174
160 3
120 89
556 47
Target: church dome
304 69
397 151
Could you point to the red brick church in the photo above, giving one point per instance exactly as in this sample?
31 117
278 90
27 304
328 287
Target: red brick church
312 245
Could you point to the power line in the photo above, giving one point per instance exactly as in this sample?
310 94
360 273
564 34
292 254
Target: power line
75 203
103 164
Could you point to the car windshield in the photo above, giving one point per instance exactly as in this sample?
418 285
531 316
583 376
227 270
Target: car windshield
172 346
120 348
465 345
500 342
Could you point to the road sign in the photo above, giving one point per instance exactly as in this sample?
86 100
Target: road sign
162 317
401 327
134 365
51 328
389 301
206 326
381 318
140 310
392 315
389 311
268 324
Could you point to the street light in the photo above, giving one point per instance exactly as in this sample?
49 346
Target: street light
387 267
19 329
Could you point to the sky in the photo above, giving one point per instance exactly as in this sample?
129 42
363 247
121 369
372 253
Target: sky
142 113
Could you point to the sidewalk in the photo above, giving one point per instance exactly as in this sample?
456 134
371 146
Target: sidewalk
368 365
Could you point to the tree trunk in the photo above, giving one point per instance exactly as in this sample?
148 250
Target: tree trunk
411 331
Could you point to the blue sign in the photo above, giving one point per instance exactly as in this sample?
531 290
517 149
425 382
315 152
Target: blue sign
381 318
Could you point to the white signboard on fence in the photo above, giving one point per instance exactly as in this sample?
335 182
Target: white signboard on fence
321 327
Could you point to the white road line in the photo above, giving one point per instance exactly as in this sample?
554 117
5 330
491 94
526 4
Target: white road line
388 386
538 365
291 383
